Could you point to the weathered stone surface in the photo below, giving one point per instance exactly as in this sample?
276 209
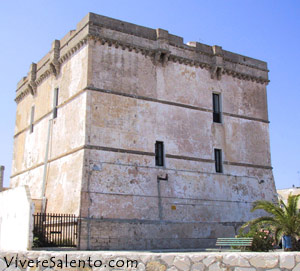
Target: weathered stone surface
168 259
13 269
155 266
45 257
2 265
287 261
182 263
216 267
235 260
209 260
297 267
297 258
32 269
264 261
196 258
97 269
198 267
141 267
244 269
146 257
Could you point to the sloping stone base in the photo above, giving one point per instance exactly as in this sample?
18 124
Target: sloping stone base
120 234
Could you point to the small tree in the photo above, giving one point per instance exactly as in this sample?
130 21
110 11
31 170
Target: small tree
284 218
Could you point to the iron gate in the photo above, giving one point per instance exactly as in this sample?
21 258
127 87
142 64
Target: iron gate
55 230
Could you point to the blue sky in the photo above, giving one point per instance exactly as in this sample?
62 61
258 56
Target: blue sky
263 29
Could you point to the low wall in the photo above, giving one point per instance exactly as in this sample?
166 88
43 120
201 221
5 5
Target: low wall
150 261
16 220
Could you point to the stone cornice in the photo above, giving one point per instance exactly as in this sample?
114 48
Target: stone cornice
145 153
158 44
214 66
50 68
73 50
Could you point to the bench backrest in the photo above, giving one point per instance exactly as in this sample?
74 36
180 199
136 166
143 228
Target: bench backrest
242 242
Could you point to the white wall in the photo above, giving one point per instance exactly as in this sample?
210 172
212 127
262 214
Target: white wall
16 220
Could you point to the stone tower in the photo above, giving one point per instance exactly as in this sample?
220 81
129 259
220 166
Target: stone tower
153 142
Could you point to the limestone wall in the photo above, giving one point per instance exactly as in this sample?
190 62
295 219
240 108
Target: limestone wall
152 261
132 72
190 209
174 104
66 141
134 101
16 220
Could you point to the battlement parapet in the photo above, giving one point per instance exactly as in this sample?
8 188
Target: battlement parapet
156 43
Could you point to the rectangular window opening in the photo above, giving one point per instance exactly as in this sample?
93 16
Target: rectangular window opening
218 160
216 108
55 103
31 119
159 153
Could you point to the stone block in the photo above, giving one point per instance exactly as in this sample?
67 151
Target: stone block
168 259
196 258
198 267
209 260
287 261
182 263
264 261
244 269
155 266
216 267
297 267
235 260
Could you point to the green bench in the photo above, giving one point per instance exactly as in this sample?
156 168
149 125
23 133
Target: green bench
232 242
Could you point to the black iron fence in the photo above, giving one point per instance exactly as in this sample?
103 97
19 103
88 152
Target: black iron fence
55 230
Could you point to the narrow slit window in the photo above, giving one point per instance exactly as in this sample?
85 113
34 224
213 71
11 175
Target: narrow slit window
159 153
31 119
218 160
55 103
216 108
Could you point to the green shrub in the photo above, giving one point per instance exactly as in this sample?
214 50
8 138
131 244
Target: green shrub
262 239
